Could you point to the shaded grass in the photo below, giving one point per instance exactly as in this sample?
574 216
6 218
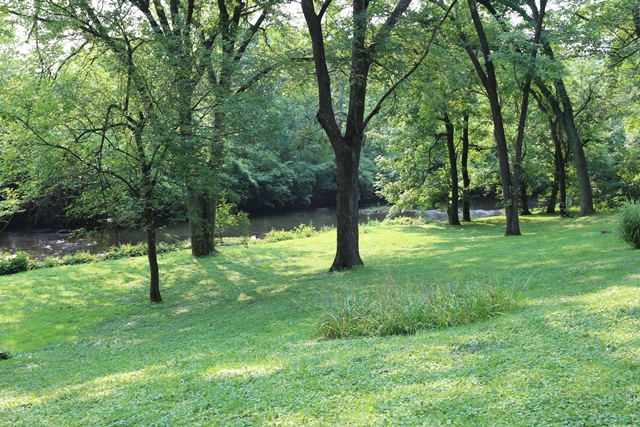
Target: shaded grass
234 343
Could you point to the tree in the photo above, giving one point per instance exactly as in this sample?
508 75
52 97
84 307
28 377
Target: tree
368 42
202 49
98 139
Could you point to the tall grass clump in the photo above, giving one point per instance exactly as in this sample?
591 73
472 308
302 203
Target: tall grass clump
629 224
403 309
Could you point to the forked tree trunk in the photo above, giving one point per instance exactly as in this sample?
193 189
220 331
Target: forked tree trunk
563 110
347 147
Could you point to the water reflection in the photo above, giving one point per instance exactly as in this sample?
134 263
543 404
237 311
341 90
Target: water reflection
46 242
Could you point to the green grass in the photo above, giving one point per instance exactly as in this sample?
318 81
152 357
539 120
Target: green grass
235 342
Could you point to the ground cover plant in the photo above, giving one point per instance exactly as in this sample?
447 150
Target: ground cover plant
236 341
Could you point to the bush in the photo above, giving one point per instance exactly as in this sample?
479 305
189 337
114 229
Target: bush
126 251
401 309
13 263
300 231
629 224
77 258
404 220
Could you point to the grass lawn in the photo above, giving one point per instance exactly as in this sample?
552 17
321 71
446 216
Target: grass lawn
235 343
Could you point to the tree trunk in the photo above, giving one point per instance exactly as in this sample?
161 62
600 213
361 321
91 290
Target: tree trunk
466 182
560 167
562 180
152 255
452 211
154 286
565 116
580 160
553 199
524 198
202 220
347 250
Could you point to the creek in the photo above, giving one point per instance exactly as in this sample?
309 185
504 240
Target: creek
40 243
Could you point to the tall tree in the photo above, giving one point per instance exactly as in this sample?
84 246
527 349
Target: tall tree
368 43
202 48
97 139
347 147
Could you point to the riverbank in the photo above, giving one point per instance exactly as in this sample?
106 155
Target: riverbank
42 243
235 341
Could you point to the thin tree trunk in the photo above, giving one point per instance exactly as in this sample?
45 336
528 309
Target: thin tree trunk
452 211
580 160
152 255
466 182
562 183
555 186
560 166
524 198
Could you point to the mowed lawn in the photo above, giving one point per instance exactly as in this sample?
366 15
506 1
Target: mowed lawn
235 342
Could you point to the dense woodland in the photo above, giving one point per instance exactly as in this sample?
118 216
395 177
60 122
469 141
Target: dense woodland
128 112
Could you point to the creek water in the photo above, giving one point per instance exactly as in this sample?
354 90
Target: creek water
40 243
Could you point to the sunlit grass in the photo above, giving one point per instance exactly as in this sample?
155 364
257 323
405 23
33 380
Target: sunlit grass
234 343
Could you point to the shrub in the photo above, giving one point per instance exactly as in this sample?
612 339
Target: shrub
78 258
629 224
404 220
126 250
13 263
400 309
302 230
50 261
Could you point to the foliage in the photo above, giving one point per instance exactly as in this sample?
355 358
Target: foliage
406 308
82 257
13 263
228 216
629 224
